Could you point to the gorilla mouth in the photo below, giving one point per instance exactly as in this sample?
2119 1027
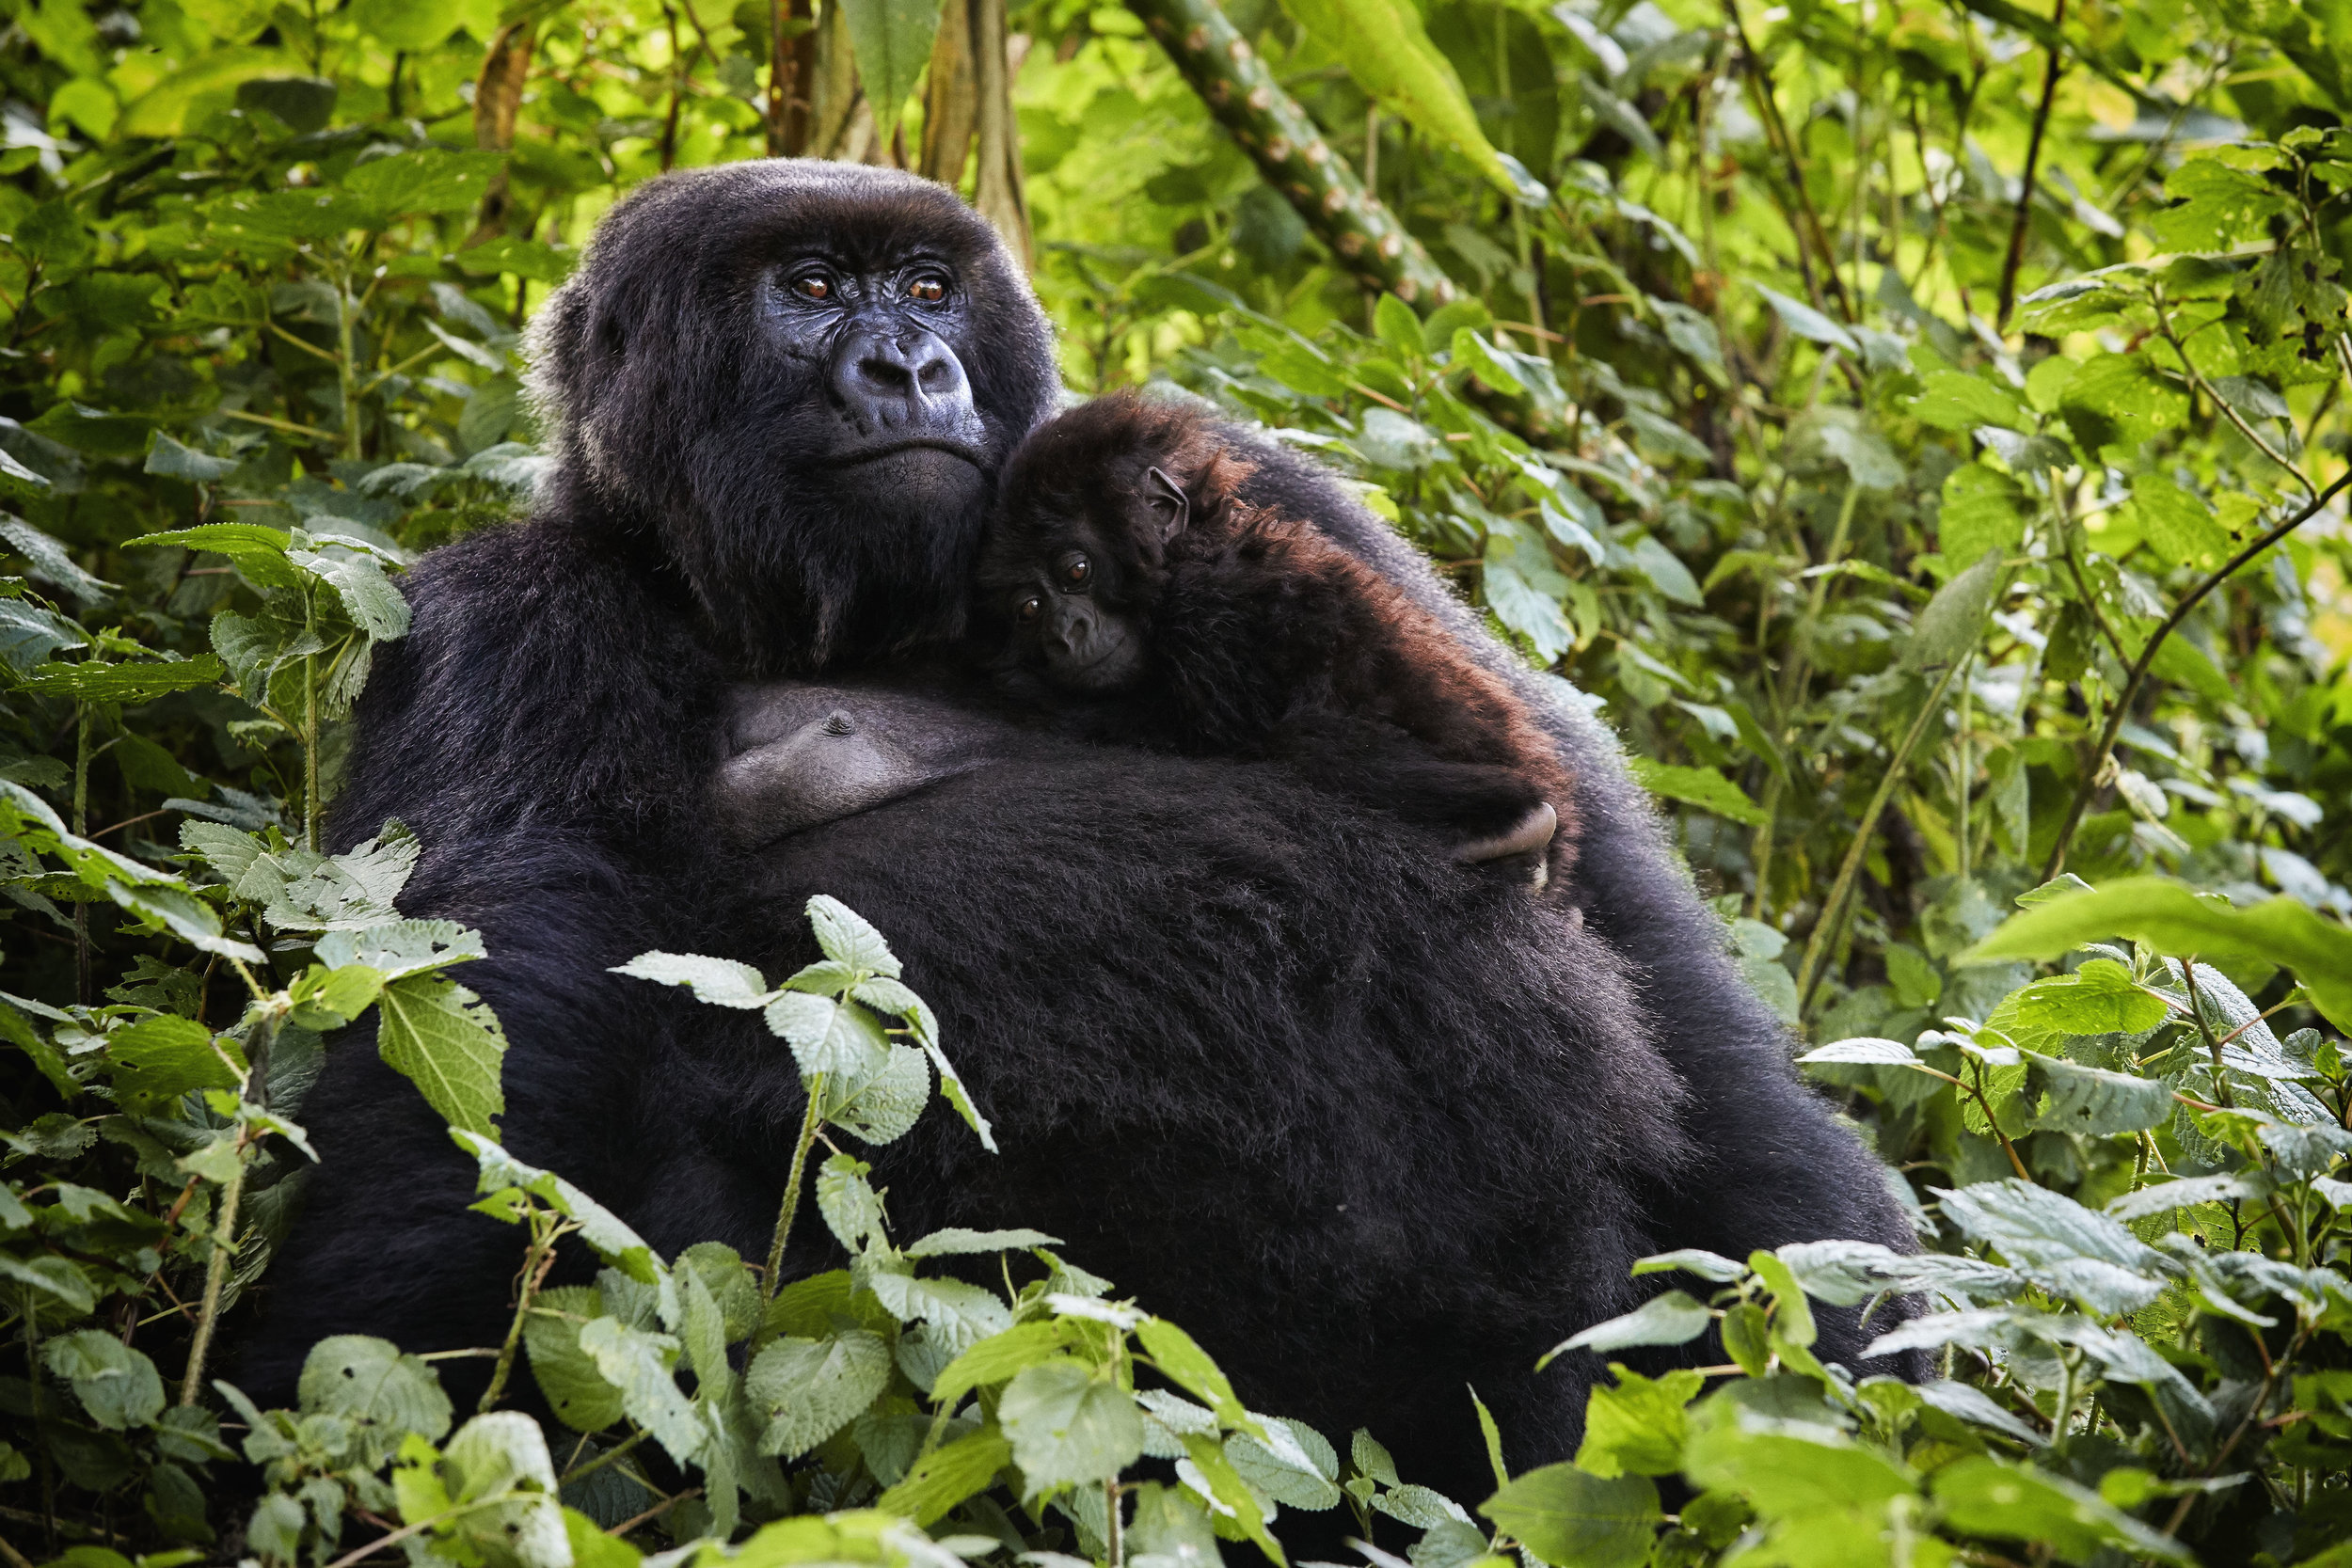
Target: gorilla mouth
876 452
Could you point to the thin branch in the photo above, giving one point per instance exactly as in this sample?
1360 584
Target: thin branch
2024 217
2139 674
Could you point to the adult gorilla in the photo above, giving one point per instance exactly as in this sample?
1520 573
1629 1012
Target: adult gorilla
1371 1123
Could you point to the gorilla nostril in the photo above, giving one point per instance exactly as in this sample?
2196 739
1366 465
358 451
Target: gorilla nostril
888 375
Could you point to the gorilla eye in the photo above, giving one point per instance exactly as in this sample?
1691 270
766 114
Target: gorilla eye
816 285
1075 570
1028 609
930 291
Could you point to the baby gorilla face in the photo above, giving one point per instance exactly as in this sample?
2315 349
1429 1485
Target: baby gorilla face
1076 589
1070 599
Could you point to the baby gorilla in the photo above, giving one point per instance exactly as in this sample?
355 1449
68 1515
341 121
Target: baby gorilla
1142 598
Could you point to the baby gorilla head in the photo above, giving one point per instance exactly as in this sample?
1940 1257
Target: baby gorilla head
1076 557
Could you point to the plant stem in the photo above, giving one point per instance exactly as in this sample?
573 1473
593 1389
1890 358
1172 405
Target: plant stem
618 1450
84 986
537 1260
1834 907
254 1091
2024 217
1113 1535
2139 672
768 1287
311 752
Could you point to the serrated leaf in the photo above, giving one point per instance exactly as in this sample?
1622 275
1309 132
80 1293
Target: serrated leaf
637 1362
720 982
91 681
847 938
567 1374
1806 322
371 1384
52 561
939 1481
29 634
1699 786
884 1107
1866 1049
604 1231
958 1241
1672 1319
833 1038
1946 630
448 1042
808 1389
118 1385
1571 1518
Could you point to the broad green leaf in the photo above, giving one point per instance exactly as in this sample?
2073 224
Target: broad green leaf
809 1389
852 1210
1806 322
1698 787
1213 1473
637 1362
259 551
1182 1362
959 1314
2058 1243
958 1241
2100 998
837 1038
1637 1426
118 1385
1981 511
29 634
498 1471
2012 1502
940 1479
1957 401
414 26
1710 1266
1864 1049
448 1042
1473 353
893 42
884 1106
374 606
163 1057
91 681
170 459
2180 527
1388 54
1571 1518
398 949
162 110
2093 1101
1946 630
50 559
1290 1476
371 1384
997 1358
847 937
567 1374
1788 1470
721 982
426 180
1672 1319
1068 1427
2174 920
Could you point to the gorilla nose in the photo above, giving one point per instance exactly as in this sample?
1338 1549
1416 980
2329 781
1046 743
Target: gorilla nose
911 385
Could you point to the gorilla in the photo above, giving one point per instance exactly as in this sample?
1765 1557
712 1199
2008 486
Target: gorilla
1371 1123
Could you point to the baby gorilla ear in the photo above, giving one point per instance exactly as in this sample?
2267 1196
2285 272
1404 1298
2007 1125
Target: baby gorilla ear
1166 501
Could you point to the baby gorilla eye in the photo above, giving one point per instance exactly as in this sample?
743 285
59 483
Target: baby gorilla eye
815 285
1075 570
930 291
1028 609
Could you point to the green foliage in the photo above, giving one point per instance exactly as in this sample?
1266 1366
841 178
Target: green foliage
1960 553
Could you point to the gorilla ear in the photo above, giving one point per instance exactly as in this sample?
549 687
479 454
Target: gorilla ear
1167 501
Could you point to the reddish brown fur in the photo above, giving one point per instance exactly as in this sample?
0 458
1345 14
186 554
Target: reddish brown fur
1257 621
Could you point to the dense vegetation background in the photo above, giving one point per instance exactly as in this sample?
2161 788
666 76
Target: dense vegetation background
1919 428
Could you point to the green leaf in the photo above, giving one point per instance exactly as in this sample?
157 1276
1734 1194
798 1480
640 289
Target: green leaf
637 1362
2173 920
995 1359
1806 322
893 42
2058 1243
117 1385
1957 401
374 606
371 1384
448 1042
1865 1049
1388 54
164 1057
414 26
118 683
1981 511
847 938
29 634
567 1374
2095 1101
1068 1427
943 1477
604 1231
259 551
884 1106
1571 1518
93 430
1946 630
2216 206
1637 1426
2180 529
1182 1362
170 459
2100 998
1473 353
1791 1471
1699 786
1291 1476
1985 1496
720 982
51 559
827 1037
427 180
499 1472
956 1242
1672 1319
162 110
809 1389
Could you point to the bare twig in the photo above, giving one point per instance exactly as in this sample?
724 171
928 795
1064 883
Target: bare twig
2024 217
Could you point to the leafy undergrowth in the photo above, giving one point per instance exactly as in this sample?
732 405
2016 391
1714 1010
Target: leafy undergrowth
1920 430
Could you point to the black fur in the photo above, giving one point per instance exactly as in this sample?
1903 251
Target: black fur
1371 1125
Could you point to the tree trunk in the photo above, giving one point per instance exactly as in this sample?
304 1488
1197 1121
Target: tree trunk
497 96
998 191
950 101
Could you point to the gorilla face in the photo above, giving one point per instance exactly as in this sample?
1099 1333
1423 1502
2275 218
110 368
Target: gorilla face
800 378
